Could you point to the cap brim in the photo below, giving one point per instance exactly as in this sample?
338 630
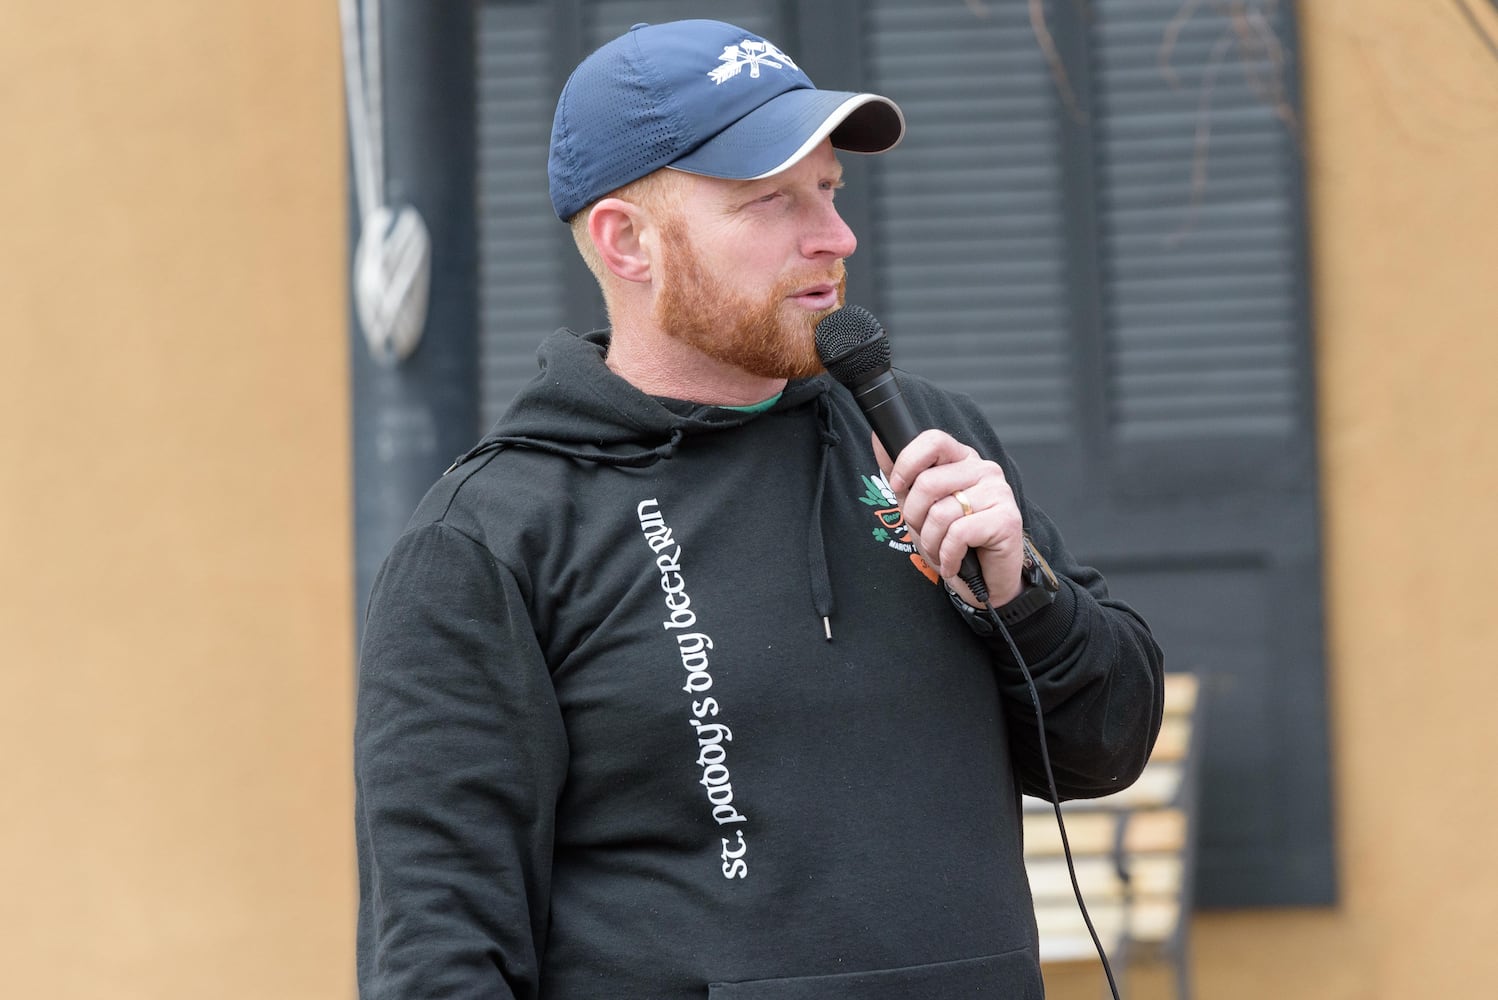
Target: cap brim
777 134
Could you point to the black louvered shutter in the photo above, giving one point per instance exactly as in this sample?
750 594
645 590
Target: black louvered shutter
969 252
1199 230
1211 412
606 19
521 261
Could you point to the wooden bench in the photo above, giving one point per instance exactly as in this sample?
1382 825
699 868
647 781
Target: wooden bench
1134 853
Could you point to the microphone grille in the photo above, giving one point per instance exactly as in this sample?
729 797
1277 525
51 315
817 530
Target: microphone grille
852 345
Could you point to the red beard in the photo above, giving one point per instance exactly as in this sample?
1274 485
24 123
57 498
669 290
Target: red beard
768 338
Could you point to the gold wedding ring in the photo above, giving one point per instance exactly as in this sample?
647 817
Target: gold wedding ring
961 498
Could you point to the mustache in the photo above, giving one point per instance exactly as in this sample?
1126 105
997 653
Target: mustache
836 276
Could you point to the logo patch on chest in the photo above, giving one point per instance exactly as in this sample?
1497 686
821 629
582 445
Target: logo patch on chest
891 529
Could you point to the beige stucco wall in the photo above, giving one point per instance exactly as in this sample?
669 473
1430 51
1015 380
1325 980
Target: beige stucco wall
1402 109
1402 141
175 613
175 562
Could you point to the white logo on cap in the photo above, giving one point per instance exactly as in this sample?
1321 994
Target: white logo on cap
752 54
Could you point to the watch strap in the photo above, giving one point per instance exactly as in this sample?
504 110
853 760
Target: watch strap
1030 600
1039 589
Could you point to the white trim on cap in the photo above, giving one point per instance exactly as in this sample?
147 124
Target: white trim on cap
832 121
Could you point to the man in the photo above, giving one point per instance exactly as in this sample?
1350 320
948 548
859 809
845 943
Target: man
659 696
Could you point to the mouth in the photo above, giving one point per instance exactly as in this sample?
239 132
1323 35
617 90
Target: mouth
815 298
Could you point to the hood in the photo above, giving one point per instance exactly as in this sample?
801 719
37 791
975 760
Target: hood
577 407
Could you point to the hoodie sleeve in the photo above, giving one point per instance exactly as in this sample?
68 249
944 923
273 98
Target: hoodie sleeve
1096 666
459 756
1099 675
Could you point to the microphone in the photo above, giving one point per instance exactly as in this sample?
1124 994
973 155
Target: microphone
856 351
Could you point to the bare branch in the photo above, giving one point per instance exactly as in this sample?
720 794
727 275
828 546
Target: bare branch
1053 59
1203 138
1477 26
1259 37
1172 34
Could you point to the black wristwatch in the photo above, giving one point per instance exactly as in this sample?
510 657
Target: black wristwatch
1039 588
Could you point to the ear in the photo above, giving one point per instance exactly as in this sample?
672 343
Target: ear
617 228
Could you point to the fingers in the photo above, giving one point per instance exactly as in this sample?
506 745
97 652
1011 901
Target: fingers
925 478
932 468
947 531
930 448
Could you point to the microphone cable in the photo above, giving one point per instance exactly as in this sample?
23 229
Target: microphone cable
980 591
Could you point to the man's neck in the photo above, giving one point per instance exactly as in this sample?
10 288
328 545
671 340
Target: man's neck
663 366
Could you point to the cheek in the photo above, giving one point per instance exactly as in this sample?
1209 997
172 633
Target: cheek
746 263
758 251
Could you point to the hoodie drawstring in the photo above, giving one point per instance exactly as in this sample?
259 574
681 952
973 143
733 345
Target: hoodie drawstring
668 450
816 545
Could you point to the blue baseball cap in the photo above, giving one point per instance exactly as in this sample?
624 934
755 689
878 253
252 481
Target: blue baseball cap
704 97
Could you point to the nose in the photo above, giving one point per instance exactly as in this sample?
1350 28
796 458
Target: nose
829 235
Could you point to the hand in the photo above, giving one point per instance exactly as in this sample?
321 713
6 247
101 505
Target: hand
930 470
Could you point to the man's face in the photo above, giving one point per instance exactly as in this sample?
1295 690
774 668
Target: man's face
749 268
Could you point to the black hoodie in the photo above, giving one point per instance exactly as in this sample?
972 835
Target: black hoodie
605 748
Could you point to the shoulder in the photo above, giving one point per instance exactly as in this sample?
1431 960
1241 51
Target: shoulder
482 500
452 502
